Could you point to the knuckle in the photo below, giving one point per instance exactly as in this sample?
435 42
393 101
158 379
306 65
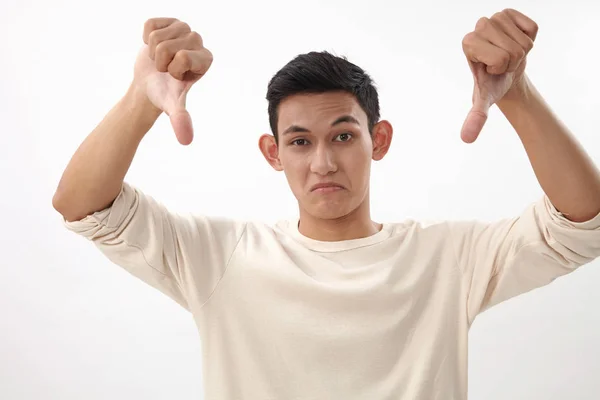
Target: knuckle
497 68
148 30
195 39
482 23
149 24
177 69
162 56
528 45
499 16
209 57
519 53
502 18
152 38
468 39
534 26
499 63
183 26
195 36
161 49
515 53
181 59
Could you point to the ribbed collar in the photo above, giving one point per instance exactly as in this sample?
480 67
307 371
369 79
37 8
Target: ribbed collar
290 227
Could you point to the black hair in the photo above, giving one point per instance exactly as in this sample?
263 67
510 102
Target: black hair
320 72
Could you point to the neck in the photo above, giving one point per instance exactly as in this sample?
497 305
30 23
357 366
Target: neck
355 225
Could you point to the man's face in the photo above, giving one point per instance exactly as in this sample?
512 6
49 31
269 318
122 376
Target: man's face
325 150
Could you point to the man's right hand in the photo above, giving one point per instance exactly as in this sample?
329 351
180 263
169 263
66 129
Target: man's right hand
171 61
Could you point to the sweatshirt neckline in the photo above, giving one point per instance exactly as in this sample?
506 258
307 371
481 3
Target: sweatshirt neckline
291 227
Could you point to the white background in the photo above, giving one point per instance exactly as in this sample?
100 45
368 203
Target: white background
74 326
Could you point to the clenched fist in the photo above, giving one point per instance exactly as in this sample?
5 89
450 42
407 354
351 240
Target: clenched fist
497 54
171 61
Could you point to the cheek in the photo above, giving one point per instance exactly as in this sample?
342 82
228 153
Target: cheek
360 176
295 170
358 164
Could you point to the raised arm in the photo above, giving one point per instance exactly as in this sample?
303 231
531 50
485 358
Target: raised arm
93 177
182 255
560 232
171 61
497 53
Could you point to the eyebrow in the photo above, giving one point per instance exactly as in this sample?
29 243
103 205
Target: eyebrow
341 120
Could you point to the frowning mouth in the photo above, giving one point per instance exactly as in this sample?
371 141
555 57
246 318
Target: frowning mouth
326 187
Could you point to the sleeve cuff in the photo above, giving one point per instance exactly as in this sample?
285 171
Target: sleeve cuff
109 218
561 219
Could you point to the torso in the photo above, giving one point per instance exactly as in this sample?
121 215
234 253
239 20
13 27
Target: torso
375 318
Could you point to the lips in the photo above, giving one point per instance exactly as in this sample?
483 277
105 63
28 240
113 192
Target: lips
327 186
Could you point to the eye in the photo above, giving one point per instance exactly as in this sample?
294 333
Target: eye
299 142
344 137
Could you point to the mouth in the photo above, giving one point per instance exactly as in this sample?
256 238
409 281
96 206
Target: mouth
326 187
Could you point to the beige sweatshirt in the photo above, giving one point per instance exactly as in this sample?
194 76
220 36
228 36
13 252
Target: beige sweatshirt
285 317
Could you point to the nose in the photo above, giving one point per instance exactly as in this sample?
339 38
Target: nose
323 161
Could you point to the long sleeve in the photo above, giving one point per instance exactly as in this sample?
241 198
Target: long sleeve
506 258
183 256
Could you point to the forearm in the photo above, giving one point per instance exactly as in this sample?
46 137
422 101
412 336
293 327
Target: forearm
564 170
95 173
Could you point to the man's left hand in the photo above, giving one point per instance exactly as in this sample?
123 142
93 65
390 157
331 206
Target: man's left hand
497 54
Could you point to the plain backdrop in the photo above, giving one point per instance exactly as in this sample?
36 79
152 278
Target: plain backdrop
74 326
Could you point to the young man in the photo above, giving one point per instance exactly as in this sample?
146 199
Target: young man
334 305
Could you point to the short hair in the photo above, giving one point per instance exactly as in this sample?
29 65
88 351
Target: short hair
320 72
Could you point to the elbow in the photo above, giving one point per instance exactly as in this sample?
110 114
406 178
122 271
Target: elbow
57 202
60 204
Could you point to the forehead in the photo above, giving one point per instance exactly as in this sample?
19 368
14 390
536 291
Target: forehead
317 109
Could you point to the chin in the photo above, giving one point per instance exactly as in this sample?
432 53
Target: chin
329 211
328 214
334 207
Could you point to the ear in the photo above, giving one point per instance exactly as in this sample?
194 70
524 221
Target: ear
382 139
270 151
